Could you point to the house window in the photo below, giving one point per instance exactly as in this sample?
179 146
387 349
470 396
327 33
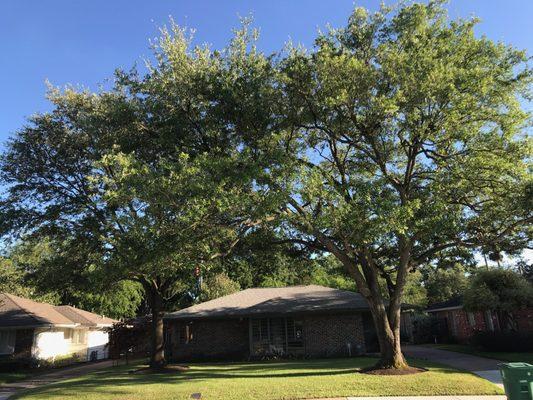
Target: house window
471 319
79 336
186 334
7 342
276 336
67 334
260 329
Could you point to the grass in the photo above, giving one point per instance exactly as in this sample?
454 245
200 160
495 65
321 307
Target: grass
264 381
504 356
8 377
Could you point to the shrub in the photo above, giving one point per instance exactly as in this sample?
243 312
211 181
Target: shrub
422 329
10 364
504 341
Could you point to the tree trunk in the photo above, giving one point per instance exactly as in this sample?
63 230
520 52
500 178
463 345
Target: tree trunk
386 319
157 355
387 323
389 340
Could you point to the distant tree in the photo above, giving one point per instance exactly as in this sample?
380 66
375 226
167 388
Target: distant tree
45 274
415 293
12 279
327 271
444 284
217 285
265 258
499 290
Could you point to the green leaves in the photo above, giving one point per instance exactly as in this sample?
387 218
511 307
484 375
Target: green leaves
395 139
498 290
148 180
411 126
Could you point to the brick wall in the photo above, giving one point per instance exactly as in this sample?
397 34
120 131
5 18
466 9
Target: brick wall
216 339
328 335
462 329
524 319
324 336
460 326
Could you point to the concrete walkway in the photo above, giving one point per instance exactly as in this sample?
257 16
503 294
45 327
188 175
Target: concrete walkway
452 397
495 397
486 368
9 389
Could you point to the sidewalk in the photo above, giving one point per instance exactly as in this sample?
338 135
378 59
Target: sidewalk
493 397
9 389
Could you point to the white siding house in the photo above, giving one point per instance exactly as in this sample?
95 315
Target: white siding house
40 331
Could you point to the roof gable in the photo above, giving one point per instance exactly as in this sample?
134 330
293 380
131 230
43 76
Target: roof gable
83 317
17 311
264 301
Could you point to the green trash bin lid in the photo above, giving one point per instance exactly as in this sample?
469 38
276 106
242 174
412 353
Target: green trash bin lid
516 365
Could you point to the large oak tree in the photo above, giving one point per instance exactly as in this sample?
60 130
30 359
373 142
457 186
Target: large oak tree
398 138
143 182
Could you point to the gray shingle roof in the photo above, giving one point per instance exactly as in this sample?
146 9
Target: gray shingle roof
275 301
455 302
83 317
20 312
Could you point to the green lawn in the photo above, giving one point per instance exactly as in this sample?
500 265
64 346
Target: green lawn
8 377
504 356
264 381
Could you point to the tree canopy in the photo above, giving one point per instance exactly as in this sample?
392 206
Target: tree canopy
398 139
499 290
403 137
144 182
445 283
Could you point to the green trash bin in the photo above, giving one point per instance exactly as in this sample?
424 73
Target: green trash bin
517 380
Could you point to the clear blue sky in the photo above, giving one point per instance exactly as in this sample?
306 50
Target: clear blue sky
83 41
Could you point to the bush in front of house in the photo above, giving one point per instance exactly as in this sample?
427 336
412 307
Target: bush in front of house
10 364
503 341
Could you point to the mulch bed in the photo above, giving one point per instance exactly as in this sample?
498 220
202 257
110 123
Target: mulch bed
390 371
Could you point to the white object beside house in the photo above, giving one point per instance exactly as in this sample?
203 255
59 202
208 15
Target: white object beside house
29 329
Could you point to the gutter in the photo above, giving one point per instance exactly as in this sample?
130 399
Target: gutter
39 326
445 309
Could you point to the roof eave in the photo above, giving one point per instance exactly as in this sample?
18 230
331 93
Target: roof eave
34 326
264 315
444 309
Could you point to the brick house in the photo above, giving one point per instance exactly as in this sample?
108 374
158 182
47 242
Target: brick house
455 323
40 331
306 321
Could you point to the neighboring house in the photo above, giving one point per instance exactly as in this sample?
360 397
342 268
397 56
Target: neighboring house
40 331
312 321
457 324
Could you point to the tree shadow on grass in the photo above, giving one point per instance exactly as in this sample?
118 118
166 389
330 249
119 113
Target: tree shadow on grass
108 382
104 382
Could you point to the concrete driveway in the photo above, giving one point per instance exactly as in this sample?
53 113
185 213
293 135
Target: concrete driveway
486 368
9 389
